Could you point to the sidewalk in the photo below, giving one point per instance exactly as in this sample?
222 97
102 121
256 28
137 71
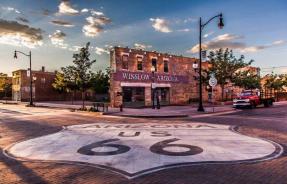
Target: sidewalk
168 111
163 112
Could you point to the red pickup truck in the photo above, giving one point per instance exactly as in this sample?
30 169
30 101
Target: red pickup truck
251 99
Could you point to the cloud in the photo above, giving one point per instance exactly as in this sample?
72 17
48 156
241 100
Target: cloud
11 9
62 23
231 41
184 30
160 25
85 10
75 48
208 34
101 51
22 19
95 25
190 19
65 7
57 39
94 12
142 46
14 33
261 47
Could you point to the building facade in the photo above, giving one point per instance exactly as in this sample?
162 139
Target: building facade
42 86
133 82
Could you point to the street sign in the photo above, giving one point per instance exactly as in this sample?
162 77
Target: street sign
212 82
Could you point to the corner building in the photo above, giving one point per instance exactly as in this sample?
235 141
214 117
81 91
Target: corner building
133 82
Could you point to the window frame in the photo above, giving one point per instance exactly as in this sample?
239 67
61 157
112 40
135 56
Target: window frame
139 63
154 59
165 64
127 62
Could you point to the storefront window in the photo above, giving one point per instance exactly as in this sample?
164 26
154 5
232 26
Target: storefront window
154 63
125 60
140 63
133 96
165 67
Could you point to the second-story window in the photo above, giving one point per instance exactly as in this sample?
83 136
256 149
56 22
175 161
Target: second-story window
125 62
165 66
140 63
154 63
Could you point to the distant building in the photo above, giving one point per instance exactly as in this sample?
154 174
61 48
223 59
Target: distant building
42 86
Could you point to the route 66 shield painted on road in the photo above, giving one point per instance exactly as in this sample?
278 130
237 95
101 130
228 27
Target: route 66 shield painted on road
136 149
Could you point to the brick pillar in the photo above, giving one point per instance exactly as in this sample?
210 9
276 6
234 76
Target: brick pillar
147 93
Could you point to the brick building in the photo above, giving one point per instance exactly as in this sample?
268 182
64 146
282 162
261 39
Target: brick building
42 86
132 80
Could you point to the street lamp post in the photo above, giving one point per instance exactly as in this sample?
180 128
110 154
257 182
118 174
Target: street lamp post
201 26
31 77
152 86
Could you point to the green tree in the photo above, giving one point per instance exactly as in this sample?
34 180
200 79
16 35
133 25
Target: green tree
82 70
77 76
100 81
65 81
7 89
224 65
247 80
275 83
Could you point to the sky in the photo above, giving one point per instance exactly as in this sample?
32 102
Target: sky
55 29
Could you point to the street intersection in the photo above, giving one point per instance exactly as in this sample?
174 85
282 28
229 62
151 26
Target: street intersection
44 145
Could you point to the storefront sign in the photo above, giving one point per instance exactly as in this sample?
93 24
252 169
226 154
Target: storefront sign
148 77
136 149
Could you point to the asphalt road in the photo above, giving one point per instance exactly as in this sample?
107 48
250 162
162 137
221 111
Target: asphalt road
18 123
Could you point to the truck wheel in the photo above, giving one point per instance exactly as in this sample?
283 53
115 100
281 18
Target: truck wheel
270 103
252 105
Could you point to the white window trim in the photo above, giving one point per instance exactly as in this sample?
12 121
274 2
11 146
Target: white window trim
125 53
138 55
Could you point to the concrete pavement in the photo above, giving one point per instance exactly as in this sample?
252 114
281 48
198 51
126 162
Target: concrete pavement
19 123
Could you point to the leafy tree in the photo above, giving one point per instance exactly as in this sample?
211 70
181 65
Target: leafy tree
100 81
81 69
224 65
65 81
77 76
247 80
275 82
7 88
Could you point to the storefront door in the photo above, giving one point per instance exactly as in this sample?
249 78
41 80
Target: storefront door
163 94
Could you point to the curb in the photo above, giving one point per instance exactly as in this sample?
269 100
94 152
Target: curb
147 116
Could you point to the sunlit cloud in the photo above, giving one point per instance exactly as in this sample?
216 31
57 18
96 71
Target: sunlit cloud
11 9
95 25
85 10
160 25
208 34
142 46
101 51
14 33
62 23
65 7
57 39
233 42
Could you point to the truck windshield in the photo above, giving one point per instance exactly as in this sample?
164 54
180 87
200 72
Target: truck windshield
246 94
